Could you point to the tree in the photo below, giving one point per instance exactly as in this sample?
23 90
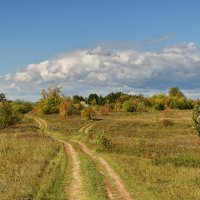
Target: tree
159 105
100 100
93 98
89 113
78 99
158 101
67 108
51 100
8 115
113 97
22 107
175 92
129 106
2 97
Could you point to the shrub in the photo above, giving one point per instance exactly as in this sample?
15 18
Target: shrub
196 118
50 106
89 113
67 108
79 106
23 106
141 107
129 106
158 105
103 140
8 115
51 100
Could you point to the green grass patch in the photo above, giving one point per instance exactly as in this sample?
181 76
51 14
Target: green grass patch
92 179
155 153
179 161
53 185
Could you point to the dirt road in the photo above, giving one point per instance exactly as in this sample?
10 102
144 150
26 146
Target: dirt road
76 191
114 186
108 171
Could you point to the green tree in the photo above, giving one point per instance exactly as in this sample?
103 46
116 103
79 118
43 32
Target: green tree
51 100
113 97
103 140
175 92
93 98
78 99
8 115
22 107
158 101
159 105
2 97
100 100
129 106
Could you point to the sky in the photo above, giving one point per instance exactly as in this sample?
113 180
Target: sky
99 46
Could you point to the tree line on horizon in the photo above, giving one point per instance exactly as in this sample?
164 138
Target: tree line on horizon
53 101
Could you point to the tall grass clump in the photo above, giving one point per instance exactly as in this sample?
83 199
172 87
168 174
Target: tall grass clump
196 118
103 140
24 160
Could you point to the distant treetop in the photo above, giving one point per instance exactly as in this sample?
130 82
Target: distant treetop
2 97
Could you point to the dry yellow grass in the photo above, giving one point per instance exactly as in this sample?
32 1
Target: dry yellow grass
155 159
26 162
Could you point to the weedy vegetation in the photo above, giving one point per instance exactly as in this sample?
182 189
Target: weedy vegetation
32 165
156 153
151 143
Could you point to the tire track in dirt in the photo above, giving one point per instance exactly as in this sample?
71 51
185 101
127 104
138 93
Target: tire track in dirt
121 188
76 185
117 180
45 124
76 192
41 122
94 158
81 130
109 172
86 128
89 128
40 125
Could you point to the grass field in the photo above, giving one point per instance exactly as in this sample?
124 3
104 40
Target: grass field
32 165
155 153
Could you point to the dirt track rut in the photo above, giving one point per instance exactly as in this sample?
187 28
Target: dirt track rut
76 191
76 185
122 191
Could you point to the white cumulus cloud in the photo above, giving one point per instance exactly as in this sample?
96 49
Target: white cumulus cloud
104 70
